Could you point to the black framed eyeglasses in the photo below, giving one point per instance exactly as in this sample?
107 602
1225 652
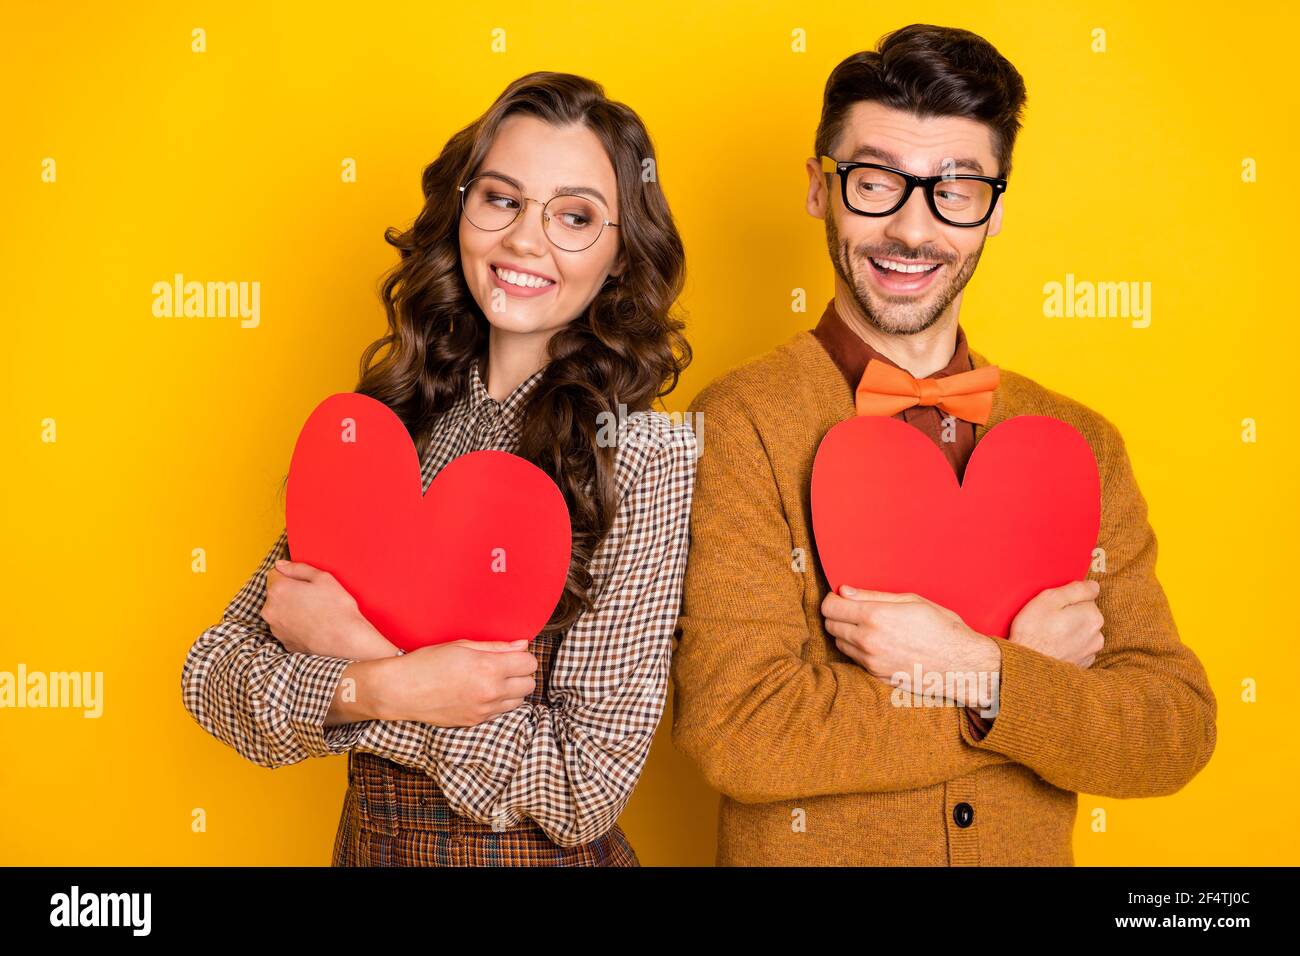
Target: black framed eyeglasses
573 223
957 199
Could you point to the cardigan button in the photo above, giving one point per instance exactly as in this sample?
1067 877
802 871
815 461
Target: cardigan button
963 814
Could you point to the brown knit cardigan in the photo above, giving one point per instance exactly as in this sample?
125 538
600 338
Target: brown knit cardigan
814 762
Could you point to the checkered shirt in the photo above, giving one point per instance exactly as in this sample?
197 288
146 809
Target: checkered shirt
569 764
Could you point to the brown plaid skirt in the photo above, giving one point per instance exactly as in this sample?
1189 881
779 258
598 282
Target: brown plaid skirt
396 816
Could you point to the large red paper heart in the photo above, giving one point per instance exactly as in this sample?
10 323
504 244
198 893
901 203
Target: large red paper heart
889 514
483 555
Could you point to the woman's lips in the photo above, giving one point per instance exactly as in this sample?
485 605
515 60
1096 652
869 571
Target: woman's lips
519 291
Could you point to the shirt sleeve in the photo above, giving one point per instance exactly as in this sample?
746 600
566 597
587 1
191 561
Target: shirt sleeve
1140 722
759 707
571 764
243 687
979 723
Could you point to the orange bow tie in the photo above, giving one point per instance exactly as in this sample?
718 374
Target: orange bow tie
885 390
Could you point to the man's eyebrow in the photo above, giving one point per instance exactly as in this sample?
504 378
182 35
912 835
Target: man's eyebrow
580 190
867 151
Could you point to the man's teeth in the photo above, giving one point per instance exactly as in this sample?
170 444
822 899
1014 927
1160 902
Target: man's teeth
900 267
521 278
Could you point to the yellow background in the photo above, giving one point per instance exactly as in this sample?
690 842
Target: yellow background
225 165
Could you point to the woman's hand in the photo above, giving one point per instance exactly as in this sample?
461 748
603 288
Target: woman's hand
1063 622
311 613
457 684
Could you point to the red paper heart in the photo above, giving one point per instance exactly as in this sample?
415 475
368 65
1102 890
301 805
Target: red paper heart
889 514
483 555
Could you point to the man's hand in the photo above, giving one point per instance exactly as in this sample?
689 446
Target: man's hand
892 634
311 613
1063 622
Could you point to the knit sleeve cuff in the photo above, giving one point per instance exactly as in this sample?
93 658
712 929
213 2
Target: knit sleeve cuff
318 678
1035 697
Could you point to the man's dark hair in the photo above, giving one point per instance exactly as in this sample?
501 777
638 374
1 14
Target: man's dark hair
929 71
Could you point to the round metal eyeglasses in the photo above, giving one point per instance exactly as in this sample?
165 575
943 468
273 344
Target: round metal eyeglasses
571 222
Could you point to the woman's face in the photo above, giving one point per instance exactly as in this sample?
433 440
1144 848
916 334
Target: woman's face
543 160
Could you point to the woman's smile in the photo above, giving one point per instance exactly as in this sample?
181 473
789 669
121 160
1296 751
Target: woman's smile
518 282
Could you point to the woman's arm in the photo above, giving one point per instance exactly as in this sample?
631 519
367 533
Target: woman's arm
360 693
292 670
270 705
572 763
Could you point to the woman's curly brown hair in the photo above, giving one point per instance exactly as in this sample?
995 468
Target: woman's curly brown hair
625 348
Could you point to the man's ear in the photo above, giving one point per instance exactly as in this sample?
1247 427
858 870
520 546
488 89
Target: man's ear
818 195
995 221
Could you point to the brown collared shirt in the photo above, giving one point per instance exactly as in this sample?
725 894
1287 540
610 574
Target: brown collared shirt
954 436
570 764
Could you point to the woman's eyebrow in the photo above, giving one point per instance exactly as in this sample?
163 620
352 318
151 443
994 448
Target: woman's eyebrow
510 179
580 190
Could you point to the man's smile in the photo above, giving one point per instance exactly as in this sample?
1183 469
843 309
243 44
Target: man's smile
903 275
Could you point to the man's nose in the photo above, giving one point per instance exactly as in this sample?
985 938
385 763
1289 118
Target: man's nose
914 225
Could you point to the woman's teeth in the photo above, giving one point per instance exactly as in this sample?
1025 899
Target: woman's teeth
521 278
901 267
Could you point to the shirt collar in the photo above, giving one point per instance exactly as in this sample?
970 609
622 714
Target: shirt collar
479 403
851 354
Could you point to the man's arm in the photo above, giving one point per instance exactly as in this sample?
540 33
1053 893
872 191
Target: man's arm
1141 721
761 722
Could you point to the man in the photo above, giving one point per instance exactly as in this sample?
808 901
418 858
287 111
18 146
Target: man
785 693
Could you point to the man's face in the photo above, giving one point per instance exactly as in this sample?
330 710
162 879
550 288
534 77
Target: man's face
863 248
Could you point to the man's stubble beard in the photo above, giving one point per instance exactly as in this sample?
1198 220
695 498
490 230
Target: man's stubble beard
897 317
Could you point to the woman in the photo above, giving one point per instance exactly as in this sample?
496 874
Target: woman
530 312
